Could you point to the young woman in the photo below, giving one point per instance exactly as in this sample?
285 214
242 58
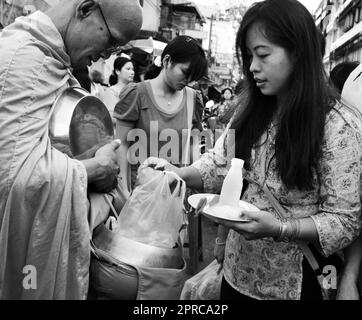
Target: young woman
226 108
303 154
123 74
160 104
341 72
350 284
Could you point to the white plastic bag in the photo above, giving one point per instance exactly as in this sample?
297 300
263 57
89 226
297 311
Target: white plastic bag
205 285
153 214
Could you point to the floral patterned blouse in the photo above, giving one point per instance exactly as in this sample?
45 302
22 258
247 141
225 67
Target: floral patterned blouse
265 269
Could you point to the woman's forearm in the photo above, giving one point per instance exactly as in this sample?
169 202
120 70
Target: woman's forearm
222 232
308 231
192 177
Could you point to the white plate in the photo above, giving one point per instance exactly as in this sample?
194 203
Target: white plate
214 211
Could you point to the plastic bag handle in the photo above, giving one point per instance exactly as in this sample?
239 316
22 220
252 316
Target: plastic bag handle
111 206
180 188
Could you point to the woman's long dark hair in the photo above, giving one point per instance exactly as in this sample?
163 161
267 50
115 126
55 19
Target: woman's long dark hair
288 24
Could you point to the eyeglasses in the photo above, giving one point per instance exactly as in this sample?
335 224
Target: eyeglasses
112 40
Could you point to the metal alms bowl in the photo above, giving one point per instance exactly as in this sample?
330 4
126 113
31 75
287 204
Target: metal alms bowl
80 120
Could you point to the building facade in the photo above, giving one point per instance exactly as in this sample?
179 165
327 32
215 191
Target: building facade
341 24
151 15
181 18
222 24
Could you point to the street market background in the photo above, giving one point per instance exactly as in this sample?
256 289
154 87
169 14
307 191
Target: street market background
311 5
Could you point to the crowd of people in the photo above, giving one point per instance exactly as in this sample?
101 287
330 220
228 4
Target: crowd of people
298 130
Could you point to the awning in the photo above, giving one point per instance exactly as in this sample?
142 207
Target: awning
149 45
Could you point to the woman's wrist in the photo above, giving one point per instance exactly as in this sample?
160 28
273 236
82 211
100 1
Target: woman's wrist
288 231
182 172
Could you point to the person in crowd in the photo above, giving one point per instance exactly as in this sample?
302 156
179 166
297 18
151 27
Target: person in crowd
303 153
350 283
164 102
226 107
153 70
210 115
349 286
44 232
352 92
97 77
341 72
211 108
97 85
122 75
204 88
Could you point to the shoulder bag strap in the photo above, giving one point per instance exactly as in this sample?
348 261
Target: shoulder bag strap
306 250
190 103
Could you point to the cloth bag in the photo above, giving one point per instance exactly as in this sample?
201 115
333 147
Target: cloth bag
205 285
113 279
138 258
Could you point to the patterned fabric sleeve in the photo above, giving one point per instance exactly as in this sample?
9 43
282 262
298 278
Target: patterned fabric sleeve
339 172
214 165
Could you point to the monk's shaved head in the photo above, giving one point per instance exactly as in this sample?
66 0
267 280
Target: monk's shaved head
124 17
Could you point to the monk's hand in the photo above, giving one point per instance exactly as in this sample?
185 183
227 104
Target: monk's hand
90 153
106 176
257 225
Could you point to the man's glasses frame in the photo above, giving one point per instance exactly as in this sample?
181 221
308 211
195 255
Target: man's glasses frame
112 40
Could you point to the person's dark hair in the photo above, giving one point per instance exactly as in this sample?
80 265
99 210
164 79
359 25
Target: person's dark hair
223 91
183 49
152 72
288 24
96 76
117 65
239 87
341 72
227 89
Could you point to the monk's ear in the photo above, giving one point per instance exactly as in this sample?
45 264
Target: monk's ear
85 8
